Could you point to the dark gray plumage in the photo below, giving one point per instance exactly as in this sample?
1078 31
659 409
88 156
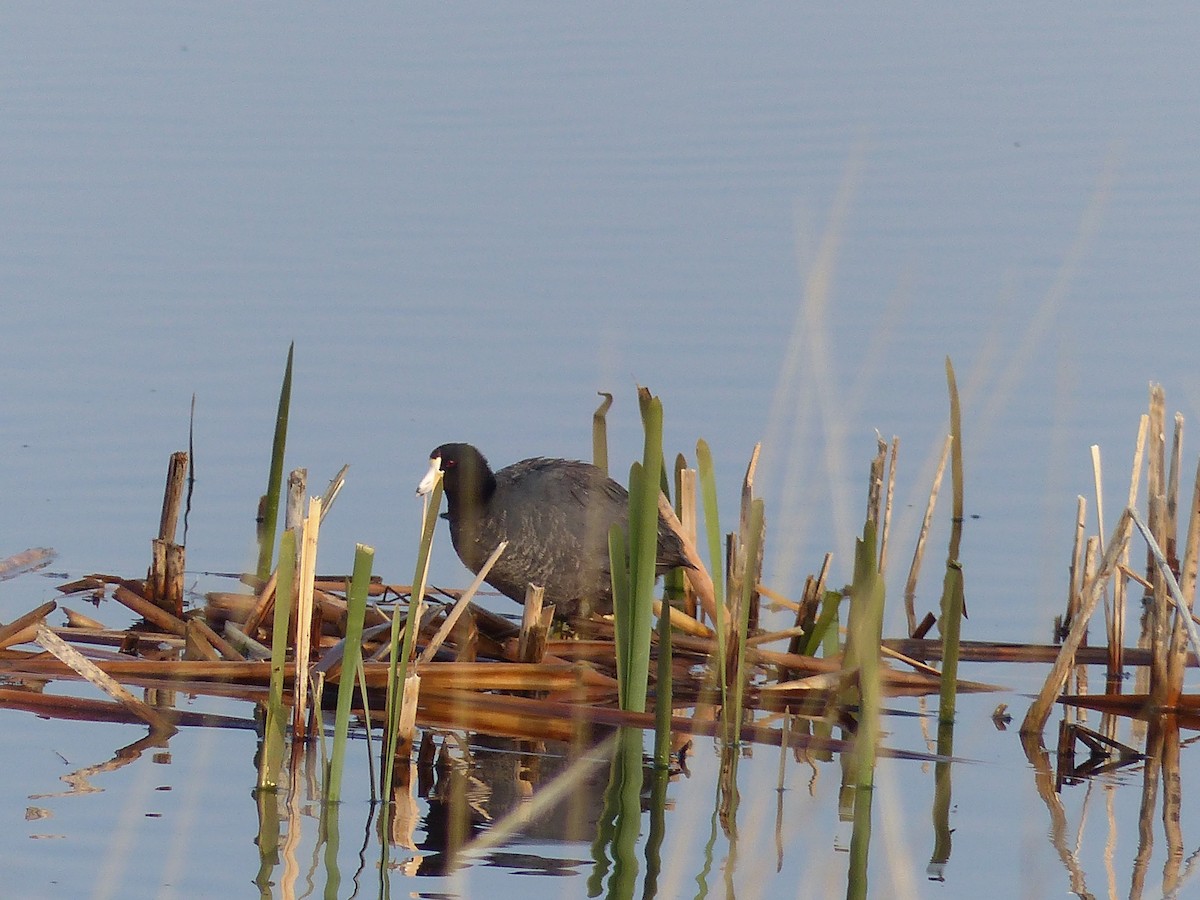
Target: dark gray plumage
555 515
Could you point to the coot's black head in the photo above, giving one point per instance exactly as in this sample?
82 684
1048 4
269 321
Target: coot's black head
466 477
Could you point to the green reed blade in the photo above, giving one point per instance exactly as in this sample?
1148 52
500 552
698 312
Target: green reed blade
618 556
400 653
275 731
275 478
356 608
953 606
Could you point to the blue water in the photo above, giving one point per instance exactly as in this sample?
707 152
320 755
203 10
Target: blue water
472 218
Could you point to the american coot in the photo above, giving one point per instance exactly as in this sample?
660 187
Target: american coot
555 515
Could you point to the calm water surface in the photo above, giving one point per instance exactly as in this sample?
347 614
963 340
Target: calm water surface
470 219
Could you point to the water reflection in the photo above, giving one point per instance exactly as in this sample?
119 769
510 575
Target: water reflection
1160 771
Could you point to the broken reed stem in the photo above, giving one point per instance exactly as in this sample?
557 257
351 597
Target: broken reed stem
1039 710
14 629
304 617
600 433
751 565
1173 483
87 669
887 505
1156 487
332 490
531 645
173 496
1075 569
127 596
875 481
914 571
1177 659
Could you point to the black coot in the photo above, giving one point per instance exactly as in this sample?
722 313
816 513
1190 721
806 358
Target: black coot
555 515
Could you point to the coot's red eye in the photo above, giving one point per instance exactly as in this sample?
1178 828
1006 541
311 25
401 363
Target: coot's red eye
448 463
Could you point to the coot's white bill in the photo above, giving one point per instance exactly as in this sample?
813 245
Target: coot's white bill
430 479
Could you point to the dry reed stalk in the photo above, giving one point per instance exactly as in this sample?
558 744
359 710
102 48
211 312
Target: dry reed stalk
85 668
889 496
222 646
493 676
1039 710
998 651
79 620
778 601
406 724
56 706
461 604
1116 637
1156 480
173 496
909 661
164 581
771 637
688 522
914 570
336 483
698 576
196 644
249 646
1075 570
1171 586
123 593
15 629
1187 588
262 606
753 566
875 481
39 665
332 608
531 645
1173 484
304 617
681 621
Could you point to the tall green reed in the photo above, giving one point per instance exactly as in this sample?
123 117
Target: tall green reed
270 511
356 608
275 731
